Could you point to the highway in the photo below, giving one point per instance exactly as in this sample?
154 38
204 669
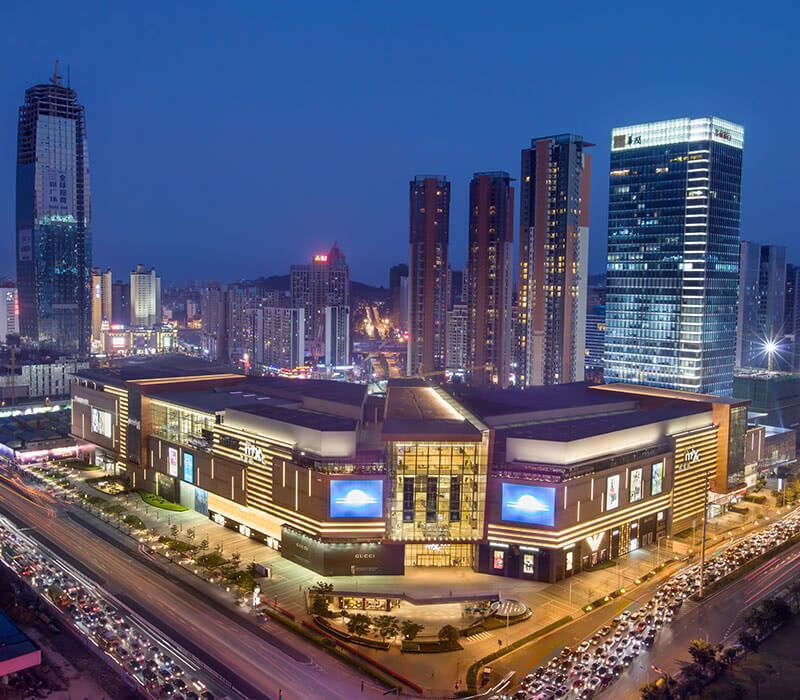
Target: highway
256 664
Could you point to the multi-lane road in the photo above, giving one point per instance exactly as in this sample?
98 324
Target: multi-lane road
259 663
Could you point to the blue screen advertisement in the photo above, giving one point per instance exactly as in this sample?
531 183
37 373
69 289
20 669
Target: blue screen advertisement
188 467
356 498
535 505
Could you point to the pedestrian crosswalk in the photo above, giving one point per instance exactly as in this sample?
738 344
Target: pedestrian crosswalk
477 637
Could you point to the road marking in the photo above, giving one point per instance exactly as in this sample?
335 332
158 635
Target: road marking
477 637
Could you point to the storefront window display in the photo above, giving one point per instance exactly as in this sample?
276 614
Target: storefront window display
498 559
527 564
612 492
178 425
657 479
636 485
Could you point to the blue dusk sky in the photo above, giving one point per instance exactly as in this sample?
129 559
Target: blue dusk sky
229 140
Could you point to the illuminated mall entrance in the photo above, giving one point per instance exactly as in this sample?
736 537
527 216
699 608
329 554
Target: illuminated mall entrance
439 554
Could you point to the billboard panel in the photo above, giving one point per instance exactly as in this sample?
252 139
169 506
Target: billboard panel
356 498
188 467
528 504
612 492
101 422
173 461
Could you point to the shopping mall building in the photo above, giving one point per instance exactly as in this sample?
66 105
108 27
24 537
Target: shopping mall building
535 484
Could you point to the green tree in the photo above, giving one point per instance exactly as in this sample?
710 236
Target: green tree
387 626
203 546
794 595
322 587
728 656
704 654
173 531
449 634
236 559
319 605
359 624
410 629
748 640
190 533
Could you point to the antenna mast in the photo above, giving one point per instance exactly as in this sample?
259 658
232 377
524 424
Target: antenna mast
55 79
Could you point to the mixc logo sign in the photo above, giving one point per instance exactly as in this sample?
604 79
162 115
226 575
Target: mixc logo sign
253 453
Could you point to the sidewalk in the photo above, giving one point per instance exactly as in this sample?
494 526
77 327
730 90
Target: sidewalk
436 672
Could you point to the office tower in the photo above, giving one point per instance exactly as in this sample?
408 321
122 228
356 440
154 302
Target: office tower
673 254
102 304
120 303
553 260
9 311
337 336
457 287
281 334
457 347
429 230
145 297
595 344
791 318
396 275
489 279
213 326
762 302
323 282
54 239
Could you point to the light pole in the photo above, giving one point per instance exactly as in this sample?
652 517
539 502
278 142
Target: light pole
703 544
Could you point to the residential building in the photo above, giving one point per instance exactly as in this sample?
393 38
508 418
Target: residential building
398 273
337 336
595 344
120 303
673 254
213 325
457 348
54 220
553 260
323 282
762 305
38 380
145 298
9 311
489 279
281 331
429 232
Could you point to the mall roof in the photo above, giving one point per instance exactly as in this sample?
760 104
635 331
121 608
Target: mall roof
642 391
580 428
137 369
306 419
416 410
218 399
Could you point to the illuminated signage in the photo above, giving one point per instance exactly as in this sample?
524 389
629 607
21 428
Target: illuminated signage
253 453
657 479
173 461
188 467
594 541
80 399
612 492
101 422
118 341
636 485
527 563
569 560
499 558
352 498
692 455
528 504
320 258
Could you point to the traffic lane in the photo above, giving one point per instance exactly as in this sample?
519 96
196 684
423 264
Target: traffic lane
716 619
242 657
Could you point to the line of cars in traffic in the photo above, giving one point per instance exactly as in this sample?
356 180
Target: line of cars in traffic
159 668
593 666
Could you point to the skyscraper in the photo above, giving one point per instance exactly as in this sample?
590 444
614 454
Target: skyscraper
553 260
121 303
54 240
489 278
397 273
145 298
791 318
429 231
213 335
337 336
673 254
9 310
762 302
102 308
323 282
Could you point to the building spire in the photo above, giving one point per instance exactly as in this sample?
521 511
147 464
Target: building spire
55 79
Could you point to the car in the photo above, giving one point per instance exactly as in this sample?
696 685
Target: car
584 646
627 659
649 640
587 693
207 695
166 691
561 691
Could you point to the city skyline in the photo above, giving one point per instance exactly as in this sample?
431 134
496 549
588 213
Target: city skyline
368 129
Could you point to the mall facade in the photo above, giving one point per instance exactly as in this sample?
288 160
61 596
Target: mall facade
536 484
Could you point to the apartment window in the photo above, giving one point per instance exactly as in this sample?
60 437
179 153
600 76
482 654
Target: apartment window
408 499
430 500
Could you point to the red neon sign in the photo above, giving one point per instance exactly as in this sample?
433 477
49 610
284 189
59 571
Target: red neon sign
320 258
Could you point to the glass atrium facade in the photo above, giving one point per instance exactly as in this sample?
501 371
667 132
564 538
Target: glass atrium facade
673 254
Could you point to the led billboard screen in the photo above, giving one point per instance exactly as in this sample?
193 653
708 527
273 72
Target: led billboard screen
188 467
101 422
351 498
172 462
528 504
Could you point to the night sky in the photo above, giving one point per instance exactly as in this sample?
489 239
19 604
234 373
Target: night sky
229 140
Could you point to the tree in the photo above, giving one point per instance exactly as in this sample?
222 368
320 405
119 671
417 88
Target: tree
359 624
203 546
794 595
173 531
777 611
190 533
410 629
702 652
236 559
322 587
319 605
729 656
386 626
748 640
450 634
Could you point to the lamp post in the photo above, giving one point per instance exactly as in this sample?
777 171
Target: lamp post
703 544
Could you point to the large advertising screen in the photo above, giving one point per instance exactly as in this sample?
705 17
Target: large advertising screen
612 492
188 467
356 498
101 422
172 462
528 504
657 480
636 485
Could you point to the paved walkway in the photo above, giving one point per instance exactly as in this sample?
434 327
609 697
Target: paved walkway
436 672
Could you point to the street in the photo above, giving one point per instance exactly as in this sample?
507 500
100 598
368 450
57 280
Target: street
258 665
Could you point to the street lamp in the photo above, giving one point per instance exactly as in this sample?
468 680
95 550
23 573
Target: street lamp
770 347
